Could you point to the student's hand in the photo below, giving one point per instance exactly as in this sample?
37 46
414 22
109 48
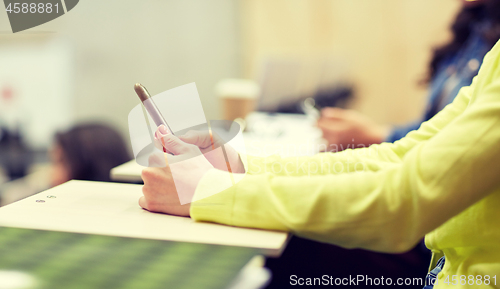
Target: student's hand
203 140
344 129
188 166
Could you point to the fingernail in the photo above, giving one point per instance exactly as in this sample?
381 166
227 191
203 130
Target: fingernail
163 130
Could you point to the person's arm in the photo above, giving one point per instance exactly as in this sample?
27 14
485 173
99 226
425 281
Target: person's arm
371 158
343 128
438 176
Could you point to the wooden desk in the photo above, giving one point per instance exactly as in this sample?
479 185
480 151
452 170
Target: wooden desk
128 172
112 209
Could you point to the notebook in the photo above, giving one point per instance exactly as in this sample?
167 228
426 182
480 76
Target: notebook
52 260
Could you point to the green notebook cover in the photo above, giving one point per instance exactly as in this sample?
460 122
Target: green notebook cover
70 261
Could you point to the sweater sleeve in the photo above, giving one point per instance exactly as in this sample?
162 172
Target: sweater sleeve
371 158
431 177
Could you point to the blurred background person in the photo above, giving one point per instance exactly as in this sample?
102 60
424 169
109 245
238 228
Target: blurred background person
475 30
84 152
87 152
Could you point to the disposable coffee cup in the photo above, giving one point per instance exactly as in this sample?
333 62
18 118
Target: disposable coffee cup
238 97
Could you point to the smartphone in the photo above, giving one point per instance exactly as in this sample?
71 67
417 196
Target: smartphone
150 106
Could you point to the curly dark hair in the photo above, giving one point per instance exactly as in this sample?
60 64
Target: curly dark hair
487 10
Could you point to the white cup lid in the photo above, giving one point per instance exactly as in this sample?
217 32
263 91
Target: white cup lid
237 88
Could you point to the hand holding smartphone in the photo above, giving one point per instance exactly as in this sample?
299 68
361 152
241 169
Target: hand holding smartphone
152 109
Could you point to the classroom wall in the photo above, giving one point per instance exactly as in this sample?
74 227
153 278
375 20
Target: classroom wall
385 44
162 44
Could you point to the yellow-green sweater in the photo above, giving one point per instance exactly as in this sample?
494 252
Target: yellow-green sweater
441 181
